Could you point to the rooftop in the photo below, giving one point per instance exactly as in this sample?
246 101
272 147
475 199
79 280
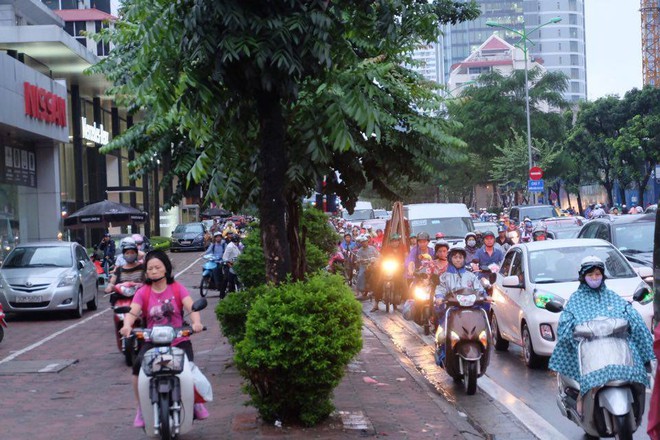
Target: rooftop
92 14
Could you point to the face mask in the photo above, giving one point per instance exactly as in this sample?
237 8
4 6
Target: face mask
471 242
130 258
155 280
594 283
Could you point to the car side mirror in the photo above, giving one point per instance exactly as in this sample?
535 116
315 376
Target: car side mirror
200 304
512 282
644 272
554 306
81 264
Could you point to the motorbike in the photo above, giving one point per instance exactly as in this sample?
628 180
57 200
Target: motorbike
3 323
128 346
165 384
614 409
423 294
389 269
207 283
466 337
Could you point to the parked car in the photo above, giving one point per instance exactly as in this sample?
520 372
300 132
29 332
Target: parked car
631 234
651 209
48 277
190 237
534 212
534 273
485 226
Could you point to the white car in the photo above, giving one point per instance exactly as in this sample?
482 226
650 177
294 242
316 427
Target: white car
534 273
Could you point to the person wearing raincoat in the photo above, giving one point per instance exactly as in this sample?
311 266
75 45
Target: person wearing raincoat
592 300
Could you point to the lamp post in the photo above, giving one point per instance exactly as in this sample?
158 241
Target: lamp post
524 39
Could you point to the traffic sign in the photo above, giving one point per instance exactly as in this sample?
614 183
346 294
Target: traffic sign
535 173
535 185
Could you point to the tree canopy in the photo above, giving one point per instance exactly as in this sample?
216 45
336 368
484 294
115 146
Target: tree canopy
257 100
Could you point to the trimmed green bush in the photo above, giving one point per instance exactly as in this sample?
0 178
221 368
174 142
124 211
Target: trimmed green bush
319 231
316 258
251 264
299 337
160 243
232 312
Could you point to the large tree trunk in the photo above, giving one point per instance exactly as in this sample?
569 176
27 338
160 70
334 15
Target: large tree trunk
272 204
608 187
296 242
579 199
641 188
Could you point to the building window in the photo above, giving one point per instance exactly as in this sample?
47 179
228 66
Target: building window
572 5
558 6
102 48
559 32
574 46
575 87
574 60
575 73
572 18
560 61
574 32
559 46
74 28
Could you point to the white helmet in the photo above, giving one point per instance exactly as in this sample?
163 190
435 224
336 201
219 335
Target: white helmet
361 238
590 262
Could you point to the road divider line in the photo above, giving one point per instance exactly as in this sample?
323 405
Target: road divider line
188 267
16 354
527 416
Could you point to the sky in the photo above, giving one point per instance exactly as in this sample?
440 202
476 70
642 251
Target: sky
614 47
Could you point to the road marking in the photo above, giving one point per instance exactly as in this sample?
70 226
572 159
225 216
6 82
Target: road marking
532 420
71 327
54 335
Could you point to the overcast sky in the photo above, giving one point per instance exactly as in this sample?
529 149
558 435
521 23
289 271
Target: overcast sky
614 47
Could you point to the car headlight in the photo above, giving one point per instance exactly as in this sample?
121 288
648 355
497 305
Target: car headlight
542 298
68 280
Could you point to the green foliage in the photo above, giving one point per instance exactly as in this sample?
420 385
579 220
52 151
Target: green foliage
160 243
317 259
251 265
299 338
233 310
318 231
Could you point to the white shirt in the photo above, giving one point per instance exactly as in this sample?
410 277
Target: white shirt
231 252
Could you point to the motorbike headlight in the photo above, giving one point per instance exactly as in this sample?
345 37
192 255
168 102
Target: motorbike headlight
453 339
162 334
483 338
390 266
542 298
69 279
440 335
421 293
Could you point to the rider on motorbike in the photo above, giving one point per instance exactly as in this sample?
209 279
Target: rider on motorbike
487 256
131 271
527 229
162 301
540 232
392 250
593 300
419 254
471 247
217 249
456 277
364 257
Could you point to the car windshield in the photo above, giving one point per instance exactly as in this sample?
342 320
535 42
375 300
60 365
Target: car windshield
51 256
452 227
634 237
560 265
359 214
189 228
538 212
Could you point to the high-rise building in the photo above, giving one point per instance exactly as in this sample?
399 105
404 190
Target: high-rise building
560 46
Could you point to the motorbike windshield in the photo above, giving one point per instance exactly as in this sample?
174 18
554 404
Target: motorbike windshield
599 353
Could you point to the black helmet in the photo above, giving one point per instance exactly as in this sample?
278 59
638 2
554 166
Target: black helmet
128 246
423 236
235 238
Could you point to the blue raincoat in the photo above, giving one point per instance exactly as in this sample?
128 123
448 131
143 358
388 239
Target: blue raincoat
587 304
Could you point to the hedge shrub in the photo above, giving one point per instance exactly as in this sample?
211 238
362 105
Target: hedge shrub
319 231
299 337
160 243
232 312
251 265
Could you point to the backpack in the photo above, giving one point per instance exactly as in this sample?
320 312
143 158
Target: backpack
177 297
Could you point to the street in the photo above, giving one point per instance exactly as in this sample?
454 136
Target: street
66 378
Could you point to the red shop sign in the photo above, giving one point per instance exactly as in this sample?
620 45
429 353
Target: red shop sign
44 105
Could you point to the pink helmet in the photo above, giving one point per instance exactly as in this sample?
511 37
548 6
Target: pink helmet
137 238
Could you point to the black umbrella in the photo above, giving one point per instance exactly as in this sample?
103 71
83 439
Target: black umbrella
104 214
216 212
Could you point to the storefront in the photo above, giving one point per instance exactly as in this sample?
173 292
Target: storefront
33 125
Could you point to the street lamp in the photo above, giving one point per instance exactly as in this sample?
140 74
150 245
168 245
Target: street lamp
524 39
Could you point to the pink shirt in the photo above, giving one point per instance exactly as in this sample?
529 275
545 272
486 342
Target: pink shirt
163 306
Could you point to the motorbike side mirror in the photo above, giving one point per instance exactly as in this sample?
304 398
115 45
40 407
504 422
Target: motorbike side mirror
200 304
492 277
486 283
123 309
554 306
643 295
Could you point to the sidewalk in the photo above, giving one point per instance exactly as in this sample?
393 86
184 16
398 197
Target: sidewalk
381 395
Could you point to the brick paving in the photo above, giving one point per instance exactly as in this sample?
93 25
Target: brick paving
92 399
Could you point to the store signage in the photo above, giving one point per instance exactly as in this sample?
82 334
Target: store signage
18 165
95 134
44 105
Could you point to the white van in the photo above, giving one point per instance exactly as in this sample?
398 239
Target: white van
452 219
363 211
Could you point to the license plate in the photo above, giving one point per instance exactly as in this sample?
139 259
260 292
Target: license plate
28 299
186 242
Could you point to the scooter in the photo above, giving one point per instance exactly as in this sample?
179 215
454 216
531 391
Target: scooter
422 309
389 269
130 346
207 283
614 409
3 323
165 384
466 337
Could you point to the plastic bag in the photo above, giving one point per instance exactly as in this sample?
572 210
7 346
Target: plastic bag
202 385
407 309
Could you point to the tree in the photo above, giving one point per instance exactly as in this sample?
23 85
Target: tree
258 102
